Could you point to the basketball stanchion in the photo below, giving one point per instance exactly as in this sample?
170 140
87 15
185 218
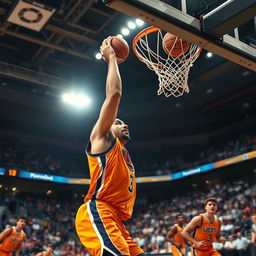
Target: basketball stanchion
169 57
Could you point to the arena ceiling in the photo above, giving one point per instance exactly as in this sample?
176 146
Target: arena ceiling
37 66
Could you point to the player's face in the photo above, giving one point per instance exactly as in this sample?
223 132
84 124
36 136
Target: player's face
211 207
121 130
49 250
21 223
181 219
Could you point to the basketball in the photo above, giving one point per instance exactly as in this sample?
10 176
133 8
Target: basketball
180 47
121 48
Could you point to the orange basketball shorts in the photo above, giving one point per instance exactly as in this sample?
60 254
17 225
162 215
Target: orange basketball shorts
3 253
210 252
178 251
99 228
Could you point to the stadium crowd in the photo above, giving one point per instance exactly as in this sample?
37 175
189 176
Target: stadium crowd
170 159
27 155
154 160
51 220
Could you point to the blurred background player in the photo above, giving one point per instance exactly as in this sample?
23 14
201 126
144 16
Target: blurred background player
112 192
175 238
12 238
47 252
206 229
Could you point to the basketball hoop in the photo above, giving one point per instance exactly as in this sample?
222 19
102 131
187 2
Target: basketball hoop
172 71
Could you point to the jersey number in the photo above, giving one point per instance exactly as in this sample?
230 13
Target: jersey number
130 188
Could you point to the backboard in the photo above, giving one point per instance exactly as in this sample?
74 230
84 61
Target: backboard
214 27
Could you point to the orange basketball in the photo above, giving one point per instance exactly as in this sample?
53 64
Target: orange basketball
174 47
121 48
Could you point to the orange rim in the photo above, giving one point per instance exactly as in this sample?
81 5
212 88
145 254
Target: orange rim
141 34
150 30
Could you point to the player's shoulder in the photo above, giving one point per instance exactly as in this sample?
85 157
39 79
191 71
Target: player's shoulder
197 220
9 230
174 226
198 217
6 232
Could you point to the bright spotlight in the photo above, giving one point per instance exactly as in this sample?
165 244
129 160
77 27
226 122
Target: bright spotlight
125 31
76 99
98 56
131 25
209 54
120 35
139 22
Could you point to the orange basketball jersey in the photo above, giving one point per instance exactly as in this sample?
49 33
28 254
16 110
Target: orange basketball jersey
207 231
113 179
11 242
178 238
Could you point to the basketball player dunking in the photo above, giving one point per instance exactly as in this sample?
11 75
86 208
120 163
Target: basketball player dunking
12 238
206 229
111 196
175 238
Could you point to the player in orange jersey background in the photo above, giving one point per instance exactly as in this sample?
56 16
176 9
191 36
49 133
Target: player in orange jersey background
206 229
111 196
47 252
12 238
175 238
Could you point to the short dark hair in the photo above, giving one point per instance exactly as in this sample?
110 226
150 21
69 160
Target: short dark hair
50 245
22 218
210 199
178 215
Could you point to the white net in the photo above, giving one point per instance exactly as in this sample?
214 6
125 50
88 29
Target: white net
172 71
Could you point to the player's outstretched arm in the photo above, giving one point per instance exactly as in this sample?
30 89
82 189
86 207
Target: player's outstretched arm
113 94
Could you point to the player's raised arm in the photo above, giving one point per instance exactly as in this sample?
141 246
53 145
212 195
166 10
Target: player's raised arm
113 94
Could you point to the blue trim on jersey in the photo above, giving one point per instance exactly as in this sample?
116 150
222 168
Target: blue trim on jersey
88 148
103 161
100 226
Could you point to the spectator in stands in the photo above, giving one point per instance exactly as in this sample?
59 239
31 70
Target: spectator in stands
230 246
241 244
218 247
